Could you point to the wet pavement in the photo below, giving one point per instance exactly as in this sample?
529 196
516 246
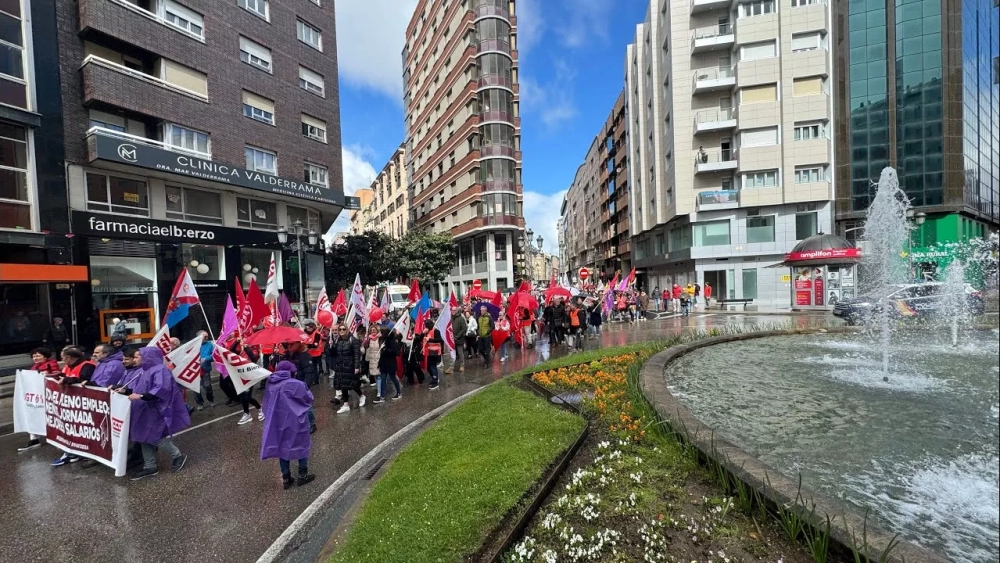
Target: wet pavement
227 505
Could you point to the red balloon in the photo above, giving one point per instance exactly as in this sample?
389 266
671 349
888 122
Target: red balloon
376 315
324 318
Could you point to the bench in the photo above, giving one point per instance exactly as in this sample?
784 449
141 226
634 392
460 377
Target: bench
723 302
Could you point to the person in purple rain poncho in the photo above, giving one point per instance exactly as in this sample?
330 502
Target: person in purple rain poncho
158 412
287 402
109 370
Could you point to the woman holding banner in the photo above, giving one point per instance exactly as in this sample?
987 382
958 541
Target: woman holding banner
45 364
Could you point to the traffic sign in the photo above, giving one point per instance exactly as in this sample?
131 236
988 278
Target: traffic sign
477 285
583 274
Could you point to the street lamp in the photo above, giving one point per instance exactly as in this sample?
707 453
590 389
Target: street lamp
298 229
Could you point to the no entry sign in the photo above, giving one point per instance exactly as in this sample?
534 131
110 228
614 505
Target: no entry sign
477 285
583 274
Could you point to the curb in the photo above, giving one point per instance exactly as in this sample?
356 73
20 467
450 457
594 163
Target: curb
772 485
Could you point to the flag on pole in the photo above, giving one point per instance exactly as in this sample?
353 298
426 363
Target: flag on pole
452 302
244 313
371 307
444 325
185 364
258 305
402 327
322 303
424 304
271 292
358 306
339 306
230 324
161 340
385 304
183 296
284 308
241 371
414 294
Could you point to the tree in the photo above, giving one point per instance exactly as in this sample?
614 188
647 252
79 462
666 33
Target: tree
371 254
427 257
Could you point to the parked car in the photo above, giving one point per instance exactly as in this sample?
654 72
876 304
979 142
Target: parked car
915 300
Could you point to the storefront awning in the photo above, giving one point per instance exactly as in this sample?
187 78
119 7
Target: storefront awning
42 273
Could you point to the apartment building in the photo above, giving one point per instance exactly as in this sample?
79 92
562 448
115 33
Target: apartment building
614 244
581 212
729 110
385 205
195 132
897 106
463 141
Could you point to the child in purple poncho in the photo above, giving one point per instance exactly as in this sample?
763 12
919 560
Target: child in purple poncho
286 405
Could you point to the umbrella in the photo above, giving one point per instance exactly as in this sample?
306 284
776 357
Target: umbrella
492 309
483 295
499 337
276 335
557 292
525 300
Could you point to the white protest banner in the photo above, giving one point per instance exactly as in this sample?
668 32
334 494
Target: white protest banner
185 364
161 340
80 420
29 402
242 371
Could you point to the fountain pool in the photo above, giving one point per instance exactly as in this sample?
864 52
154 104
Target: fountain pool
919 449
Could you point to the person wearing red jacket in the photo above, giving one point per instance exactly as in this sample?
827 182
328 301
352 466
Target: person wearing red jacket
666 300
45 364
677 297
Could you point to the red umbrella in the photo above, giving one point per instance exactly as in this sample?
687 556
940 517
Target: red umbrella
525 300
483 295
499 336
276 335
557 292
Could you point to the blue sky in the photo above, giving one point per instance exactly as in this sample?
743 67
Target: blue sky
571 60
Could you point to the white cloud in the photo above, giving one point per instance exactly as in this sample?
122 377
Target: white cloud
370 39
552 102
530 26
358 173
585 21
541 212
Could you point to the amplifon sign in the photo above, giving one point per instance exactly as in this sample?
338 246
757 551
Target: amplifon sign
833 253
146 156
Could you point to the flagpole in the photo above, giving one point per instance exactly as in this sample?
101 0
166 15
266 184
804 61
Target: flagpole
207 324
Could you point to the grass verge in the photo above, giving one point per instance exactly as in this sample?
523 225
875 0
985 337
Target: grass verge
443 494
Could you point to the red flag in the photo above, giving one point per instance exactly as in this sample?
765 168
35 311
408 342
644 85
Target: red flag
631 278
497 299
414 294
552 282
452 302
515 325
525 287
340 305
258 309
244 314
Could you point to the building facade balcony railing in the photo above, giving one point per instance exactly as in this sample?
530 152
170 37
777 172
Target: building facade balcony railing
101 76
489 9
498 185
496 150
712 31
503 116
105 132
714 115
715 160
494 45
707 77
495 80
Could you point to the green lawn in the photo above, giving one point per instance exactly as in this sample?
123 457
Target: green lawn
444 493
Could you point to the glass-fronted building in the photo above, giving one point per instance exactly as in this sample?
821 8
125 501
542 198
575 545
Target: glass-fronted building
917 89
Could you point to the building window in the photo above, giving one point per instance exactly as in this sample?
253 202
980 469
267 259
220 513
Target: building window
763 137
806 225
762 179
260 160
311 82
183 18
811 86
313 128
758 94
188 139
756 8
193 205
309 217
712 233
749 283
11 42
258 108
256 7
807 131
809 175
316 174
806 41
256 214
760 229
309 35
758 51
255 54
480 250
15 202
796 3
117 195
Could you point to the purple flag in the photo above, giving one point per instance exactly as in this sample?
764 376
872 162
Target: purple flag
609 300
285 312
229 325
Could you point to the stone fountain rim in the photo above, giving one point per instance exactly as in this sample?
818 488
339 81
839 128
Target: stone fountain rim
773 485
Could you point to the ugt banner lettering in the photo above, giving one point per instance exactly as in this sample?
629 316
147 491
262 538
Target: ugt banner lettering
89 422
29 402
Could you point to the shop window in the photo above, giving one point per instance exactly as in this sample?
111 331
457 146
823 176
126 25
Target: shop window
193 205
255 263
256 214
15 202
309 217
115 194
205 262
123 275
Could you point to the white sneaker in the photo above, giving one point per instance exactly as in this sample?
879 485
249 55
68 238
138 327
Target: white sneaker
344 408
361 401
260 415
245 419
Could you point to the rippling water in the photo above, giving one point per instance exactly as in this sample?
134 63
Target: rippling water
919 448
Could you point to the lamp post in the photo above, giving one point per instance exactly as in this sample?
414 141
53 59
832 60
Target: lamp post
298 229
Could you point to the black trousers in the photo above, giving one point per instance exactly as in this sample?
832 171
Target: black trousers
486 348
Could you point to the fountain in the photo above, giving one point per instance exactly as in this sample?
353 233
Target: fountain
901 418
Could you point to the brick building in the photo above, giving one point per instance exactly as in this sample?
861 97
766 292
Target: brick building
195 130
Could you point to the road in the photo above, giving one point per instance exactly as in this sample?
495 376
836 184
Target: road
227 505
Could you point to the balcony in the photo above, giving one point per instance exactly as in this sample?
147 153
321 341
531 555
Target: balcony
501 116
494 46
127 88
712 38
494 81
714 79
488 10
699 6
715 200
94 132
133 24
496 150
714 120
498 185
718 160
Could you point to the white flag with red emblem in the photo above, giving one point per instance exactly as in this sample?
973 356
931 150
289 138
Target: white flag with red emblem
242 371
444 325
271 292
161 340
404 328
185 364
322 303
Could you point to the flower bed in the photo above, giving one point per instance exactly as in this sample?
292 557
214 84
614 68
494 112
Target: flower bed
635 493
